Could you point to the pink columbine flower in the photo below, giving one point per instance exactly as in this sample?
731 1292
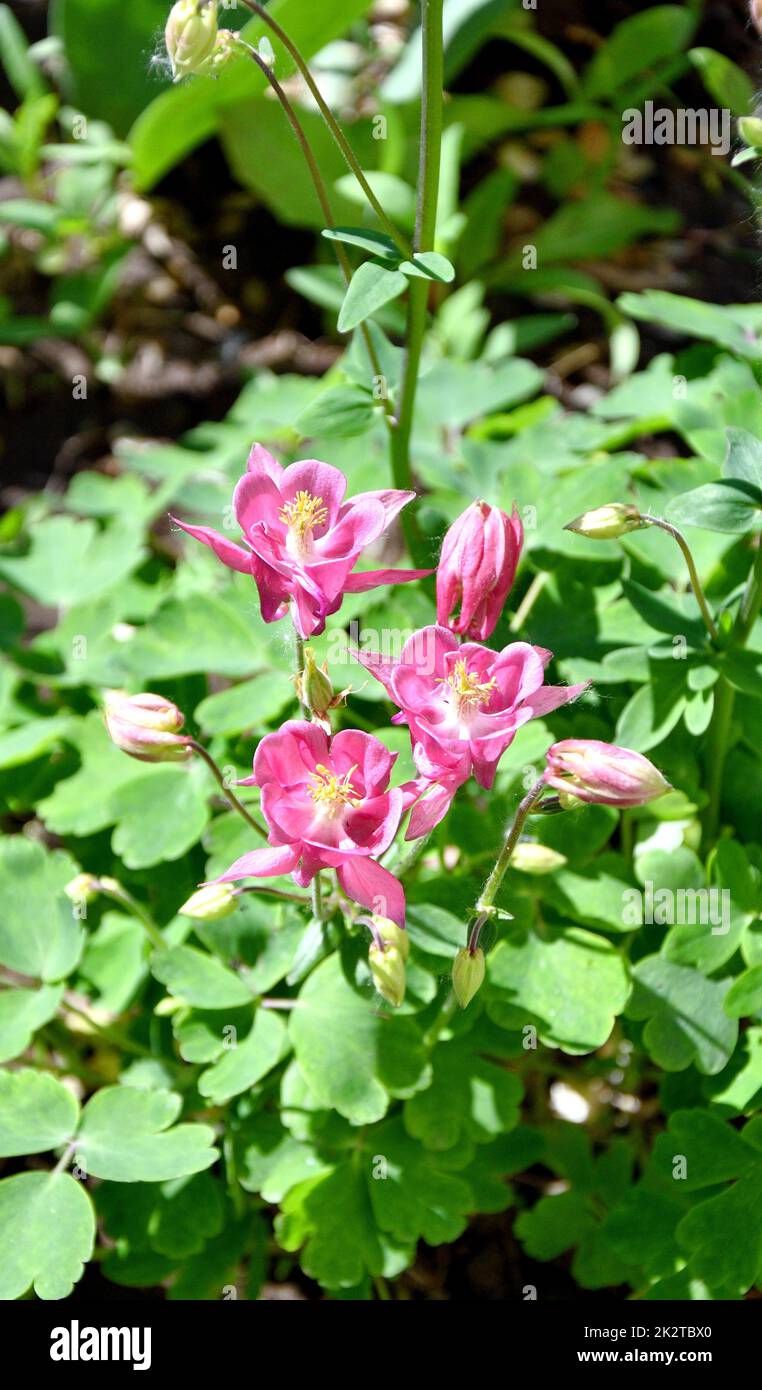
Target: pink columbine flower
477 567
463 705
328 805
590 770
302 539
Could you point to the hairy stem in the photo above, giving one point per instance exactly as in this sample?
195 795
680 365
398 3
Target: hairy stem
489 891
316 890
299 671
226 791
425 231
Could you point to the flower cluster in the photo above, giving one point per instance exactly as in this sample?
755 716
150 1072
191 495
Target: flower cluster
326 798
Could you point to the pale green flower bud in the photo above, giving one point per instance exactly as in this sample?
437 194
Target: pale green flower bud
191 36
392 935
210 903
110 885
388 970
531 858
750 131
316 691
606 523
468 973
82 889
170 1004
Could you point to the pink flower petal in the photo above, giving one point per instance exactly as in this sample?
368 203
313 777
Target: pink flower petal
391 499
261 461
426 650
257 501
551 697
232 555
309 614
373 825
288 756
374 762
381 667
261 863
369 884
429 811
354 528
319 480
370 579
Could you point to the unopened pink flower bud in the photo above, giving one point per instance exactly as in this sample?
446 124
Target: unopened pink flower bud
146 726
477 567
191 36
601 772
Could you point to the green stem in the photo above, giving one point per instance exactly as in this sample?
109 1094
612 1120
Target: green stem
529 600
333 125
692 571
65 1159
322 197
226 791
751 602
404 859
717 747
724 701
489 892
449 1007
110 1035
299 671
425 233
110 888
316 891
317 899
266 891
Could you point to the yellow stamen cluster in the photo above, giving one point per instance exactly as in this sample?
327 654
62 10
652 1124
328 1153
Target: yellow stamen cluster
330 792
304 513
468 690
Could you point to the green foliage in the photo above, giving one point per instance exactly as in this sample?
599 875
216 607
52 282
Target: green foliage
214 1085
